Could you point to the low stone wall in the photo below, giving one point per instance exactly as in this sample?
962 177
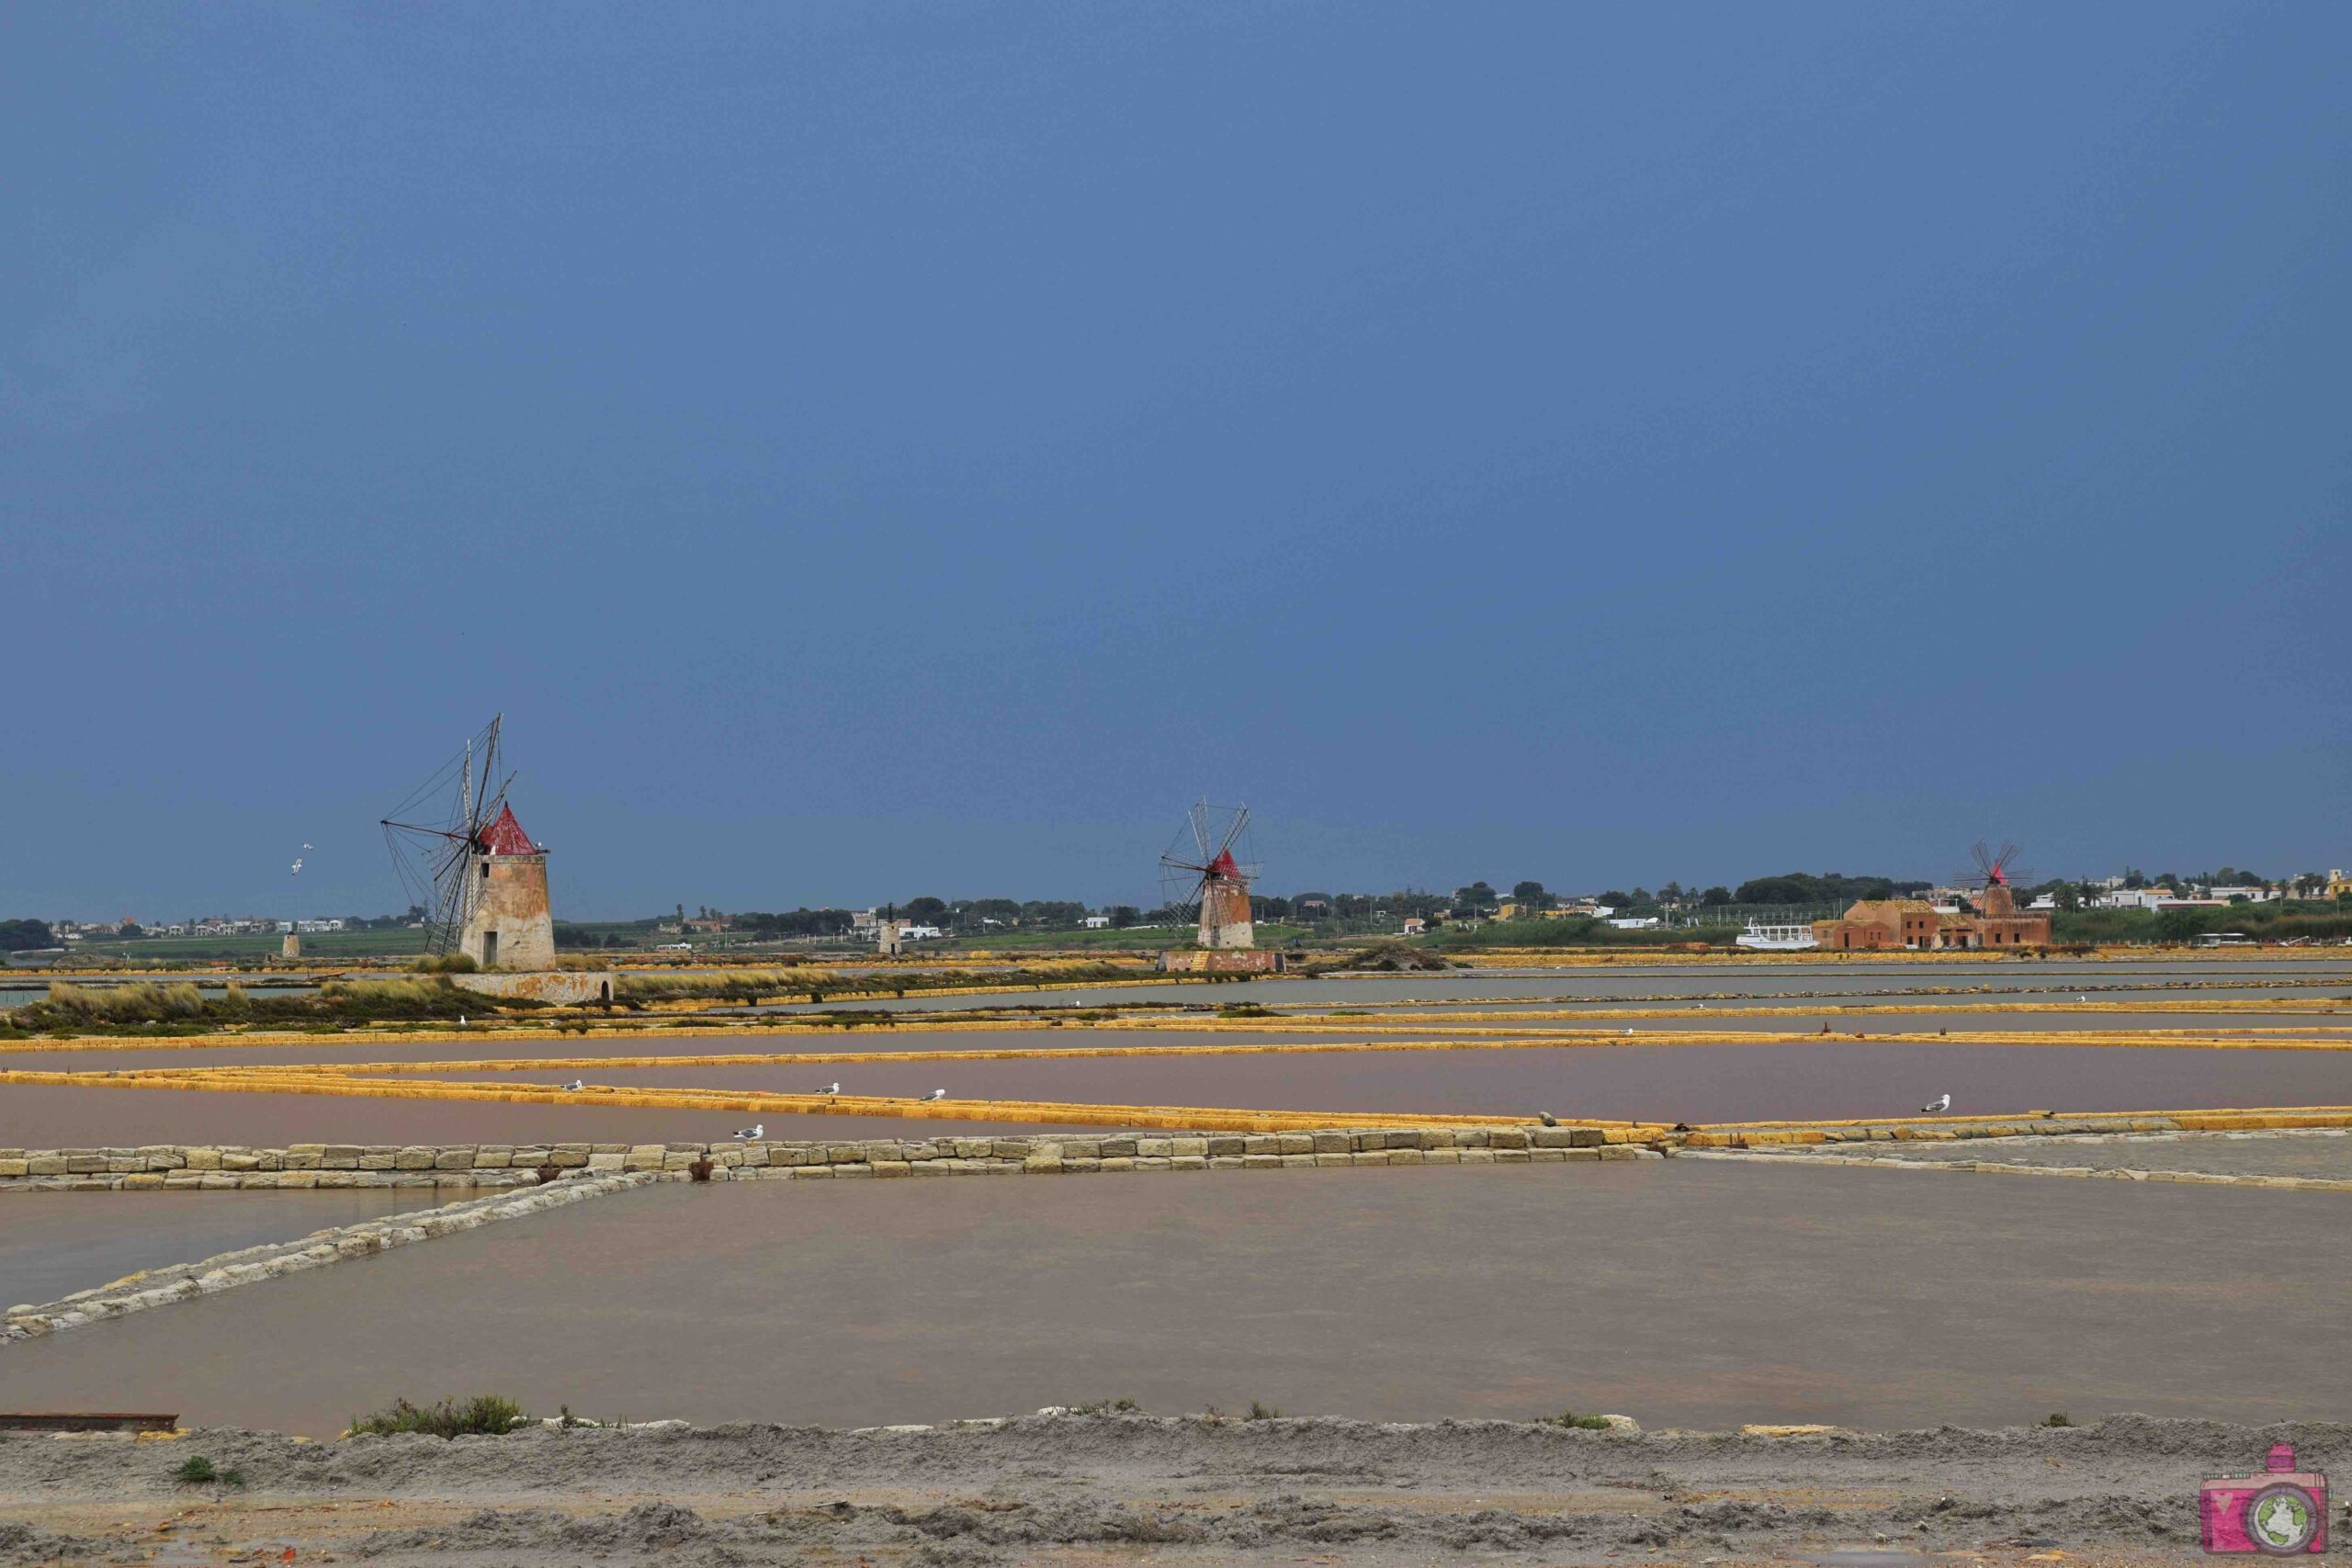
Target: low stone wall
173 1167
250 1265
560 988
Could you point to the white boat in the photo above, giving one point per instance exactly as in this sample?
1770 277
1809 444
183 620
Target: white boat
1777 939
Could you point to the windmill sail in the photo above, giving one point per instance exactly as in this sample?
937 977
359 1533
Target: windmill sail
1205 876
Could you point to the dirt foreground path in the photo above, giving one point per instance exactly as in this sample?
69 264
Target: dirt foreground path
1136 1489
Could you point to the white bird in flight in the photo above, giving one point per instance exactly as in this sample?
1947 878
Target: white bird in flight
297 865
306 846
756 1129
1942 1104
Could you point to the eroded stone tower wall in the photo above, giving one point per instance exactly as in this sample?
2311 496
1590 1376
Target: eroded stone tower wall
509 924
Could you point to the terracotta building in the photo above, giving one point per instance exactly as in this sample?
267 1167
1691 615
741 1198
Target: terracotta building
1876 924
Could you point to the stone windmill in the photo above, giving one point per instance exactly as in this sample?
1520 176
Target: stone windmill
1201 871
464 857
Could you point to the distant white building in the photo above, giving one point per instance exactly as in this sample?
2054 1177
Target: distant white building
2252 895
1636 922
1093 922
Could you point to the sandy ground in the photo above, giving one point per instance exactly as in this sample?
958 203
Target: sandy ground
1682 1292
1139 1490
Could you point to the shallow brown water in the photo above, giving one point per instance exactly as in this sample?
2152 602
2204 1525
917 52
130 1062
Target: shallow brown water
1807 1081
1684 1294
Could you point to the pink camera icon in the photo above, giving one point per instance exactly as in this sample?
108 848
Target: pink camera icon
2280 1513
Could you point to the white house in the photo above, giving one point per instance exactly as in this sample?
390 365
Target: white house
1095 922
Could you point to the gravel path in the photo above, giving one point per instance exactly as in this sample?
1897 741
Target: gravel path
1066 1490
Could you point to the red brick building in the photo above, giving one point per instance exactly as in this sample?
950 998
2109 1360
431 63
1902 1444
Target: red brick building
1916 925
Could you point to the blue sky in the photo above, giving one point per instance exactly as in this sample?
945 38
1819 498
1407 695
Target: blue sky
869 450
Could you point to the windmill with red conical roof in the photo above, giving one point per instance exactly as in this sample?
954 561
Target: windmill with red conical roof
479 877
1995 878
1201 871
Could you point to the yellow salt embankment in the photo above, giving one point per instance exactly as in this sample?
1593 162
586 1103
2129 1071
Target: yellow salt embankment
1202 1118
1460 1039
1750 1135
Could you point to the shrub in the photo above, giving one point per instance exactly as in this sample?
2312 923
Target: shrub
485 1414
1263 1411
197 1471
1120 1406
2058 1418
1581 1423
445 964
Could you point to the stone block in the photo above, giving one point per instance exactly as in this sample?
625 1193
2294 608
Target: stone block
1230 1146
416 1156
1186 1148
493 1156
1330 1142
45 1165
1262 1162
454 1159
1506 1138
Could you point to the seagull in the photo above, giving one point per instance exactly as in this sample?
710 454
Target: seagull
830 1089
936 1094
297 865
1547 1119
1628 1032
306 846
1933 1105
576 1086
756 1129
